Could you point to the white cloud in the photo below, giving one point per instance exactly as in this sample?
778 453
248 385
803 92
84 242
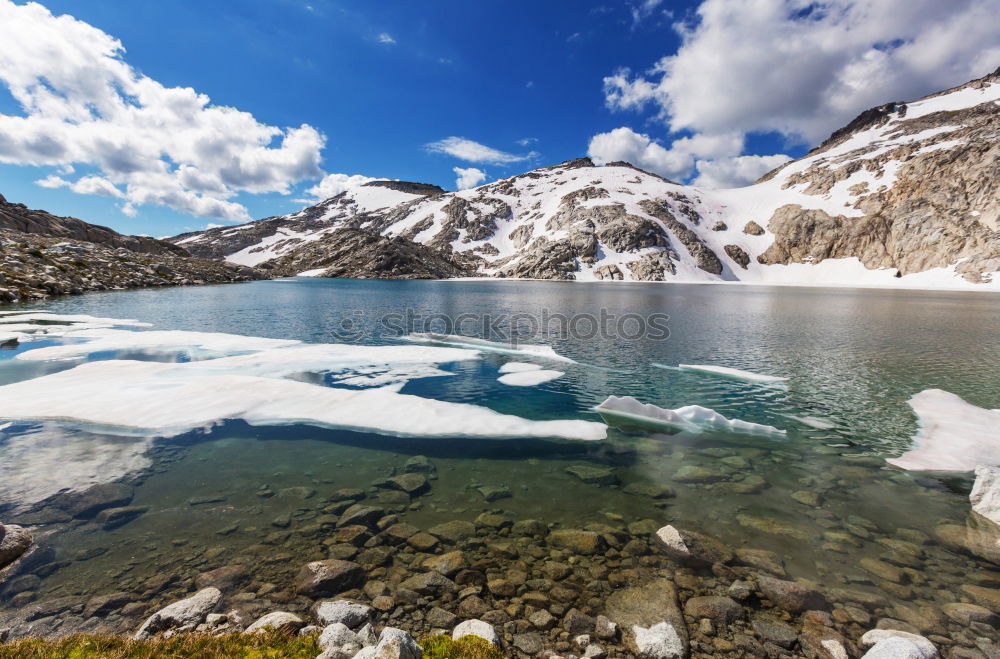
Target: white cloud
737 171
468 178
84 185
642 11
470 151
626 144
527 141
386 38
333 184
84 105
802 68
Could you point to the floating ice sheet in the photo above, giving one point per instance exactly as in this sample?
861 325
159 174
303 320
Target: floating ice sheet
953 435
692 418
45 317
129 397
519 367
732 373
812 421
529 378
197 343
350 365
523 350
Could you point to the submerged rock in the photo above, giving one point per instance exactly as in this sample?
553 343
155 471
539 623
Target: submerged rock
690 547
328 577
87 503
14 541
593 475
112 518
577 541
789 595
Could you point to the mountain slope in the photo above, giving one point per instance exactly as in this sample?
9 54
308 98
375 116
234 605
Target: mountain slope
42 255
18 217
907 194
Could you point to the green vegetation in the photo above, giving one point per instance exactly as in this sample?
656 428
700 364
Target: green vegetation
270 645
468 647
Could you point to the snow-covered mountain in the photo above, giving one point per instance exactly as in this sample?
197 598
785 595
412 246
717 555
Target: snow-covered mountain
906 194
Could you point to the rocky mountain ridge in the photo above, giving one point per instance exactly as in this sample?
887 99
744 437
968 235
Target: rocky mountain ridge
18 217
905 195
43 255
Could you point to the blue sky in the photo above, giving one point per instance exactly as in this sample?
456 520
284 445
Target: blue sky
378 84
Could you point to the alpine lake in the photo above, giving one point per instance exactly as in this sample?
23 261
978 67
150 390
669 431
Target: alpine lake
551 525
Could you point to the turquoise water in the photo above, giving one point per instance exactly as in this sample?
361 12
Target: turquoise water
852 359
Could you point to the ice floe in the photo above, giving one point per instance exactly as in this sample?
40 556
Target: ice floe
953 435
346 364
691 418
160 341
521 350
529 378
519 367
733 373
167 399
812 421
68 319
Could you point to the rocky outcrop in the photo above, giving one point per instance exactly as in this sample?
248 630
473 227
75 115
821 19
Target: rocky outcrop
928 194
14 542
363 255
20 218
34 267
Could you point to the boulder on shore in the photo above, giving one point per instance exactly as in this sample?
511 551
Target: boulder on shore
184 614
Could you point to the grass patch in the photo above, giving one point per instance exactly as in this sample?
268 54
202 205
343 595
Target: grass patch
467 647
270 645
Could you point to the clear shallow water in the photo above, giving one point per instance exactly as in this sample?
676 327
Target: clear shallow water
852 358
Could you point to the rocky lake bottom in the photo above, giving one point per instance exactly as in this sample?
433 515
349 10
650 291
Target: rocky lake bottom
794 540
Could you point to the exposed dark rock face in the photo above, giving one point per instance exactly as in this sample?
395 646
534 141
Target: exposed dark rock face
357 253
34 267
407 186
705 257
18 217
737 254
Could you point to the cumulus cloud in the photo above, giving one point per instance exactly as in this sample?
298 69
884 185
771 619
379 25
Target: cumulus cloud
386 38
737 171
802 68
333 184
471 151
468 178
83 104
84 185
638 149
